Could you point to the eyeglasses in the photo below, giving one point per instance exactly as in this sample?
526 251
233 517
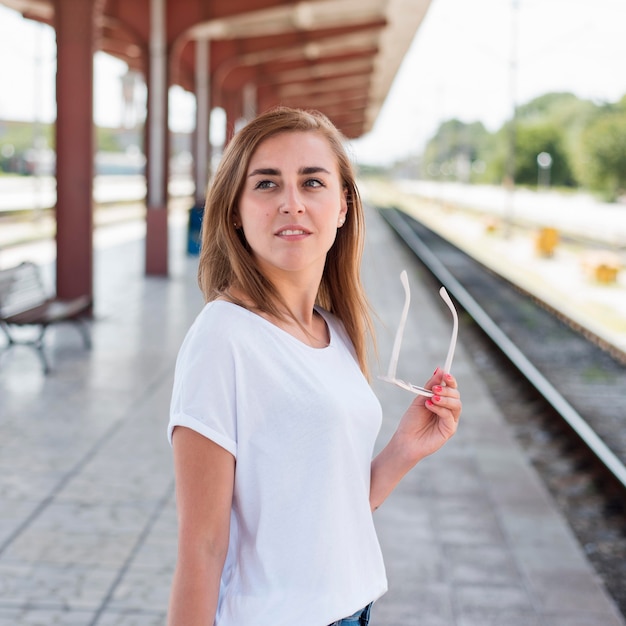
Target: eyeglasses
397 344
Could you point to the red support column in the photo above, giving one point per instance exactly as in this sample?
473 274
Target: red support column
201 136
233 106
157 239
157 144
75 25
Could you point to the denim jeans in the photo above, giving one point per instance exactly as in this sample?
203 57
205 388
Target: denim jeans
360 618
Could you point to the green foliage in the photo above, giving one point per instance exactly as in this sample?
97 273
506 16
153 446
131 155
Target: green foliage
454 148
107 140
586 141
531 140
18 140
117 139
26 135
551 123
605 144
549 105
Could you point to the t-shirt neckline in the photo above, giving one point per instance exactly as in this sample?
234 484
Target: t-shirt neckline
281 332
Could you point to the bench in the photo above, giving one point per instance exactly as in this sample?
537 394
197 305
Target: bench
24 302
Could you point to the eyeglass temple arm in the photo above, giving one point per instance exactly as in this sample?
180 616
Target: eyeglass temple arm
455 329
397 344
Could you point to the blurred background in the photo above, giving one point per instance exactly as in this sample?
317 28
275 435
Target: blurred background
499 125
512 109
555 67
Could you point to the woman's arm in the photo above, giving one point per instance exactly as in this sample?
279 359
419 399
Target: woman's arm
205 474
423 429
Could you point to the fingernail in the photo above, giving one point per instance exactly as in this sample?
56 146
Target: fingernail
428 402
437 389
436 370
436 398
448 376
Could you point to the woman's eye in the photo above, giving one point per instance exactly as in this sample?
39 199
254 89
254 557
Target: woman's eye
264 184
314 182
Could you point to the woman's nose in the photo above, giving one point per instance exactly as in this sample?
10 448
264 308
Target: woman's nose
291 202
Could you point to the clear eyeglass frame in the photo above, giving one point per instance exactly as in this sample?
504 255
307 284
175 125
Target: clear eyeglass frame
397 344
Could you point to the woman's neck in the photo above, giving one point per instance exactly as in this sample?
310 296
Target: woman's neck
296 312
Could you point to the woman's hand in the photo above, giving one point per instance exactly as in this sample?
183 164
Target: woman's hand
427 424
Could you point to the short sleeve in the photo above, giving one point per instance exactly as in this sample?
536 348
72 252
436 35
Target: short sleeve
204 390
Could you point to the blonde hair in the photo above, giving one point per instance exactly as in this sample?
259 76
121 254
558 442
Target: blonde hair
226 260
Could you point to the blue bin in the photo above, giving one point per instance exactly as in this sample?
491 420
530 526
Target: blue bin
194 229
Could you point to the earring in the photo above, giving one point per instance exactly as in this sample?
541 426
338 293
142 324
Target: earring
342 219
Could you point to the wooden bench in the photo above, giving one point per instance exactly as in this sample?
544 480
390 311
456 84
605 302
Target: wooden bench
24 302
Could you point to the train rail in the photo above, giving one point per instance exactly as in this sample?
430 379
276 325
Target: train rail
557 370
577 375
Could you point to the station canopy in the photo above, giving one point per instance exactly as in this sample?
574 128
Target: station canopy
338 56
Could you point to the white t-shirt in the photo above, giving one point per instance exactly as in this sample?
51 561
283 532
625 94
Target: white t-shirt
301 423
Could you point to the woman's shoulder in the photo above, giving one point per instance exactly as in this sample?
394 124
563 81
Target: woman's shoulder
220 315
218 328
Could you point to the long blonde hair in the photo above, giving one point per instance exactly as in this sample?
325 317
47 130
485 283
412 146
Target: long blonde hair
226 260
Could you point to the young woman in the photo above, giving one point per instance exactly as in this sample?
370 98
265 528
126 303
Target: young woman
273 422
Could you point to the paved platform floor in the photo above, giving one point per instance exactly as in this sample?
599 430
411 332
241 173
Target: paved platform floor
87 519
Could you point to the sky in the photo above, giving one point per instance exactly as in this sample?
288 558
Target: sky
458 65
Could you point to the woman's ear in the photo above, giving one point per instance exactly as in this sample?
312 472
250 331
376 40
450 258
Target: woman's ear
343 209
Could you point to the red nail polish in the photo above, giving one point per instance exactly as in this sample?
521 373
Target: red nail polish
429 402
437 389
436 370
436 398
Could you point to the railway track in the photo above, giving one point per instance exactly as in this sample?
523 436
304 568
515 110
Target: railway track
562 389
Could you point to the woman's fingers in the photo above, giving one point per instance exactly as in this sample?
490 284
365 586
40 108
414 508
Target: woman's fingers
440 377
450 380
445 398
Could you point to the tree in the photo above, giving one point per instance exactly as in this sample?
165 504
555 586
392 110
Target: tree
531 140
454 148
605 145
548 106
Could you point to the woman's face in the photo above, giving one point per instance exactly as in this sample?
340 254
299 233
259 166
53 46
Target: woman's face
292 203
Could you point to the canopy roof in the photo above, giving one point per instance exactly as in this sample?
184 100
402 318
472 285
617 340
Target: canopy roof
339 56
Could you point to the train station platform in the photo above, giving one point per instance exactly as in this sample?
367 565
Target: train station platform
87 519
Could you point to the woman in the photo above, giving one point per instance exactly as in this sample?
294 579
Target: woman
273 422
